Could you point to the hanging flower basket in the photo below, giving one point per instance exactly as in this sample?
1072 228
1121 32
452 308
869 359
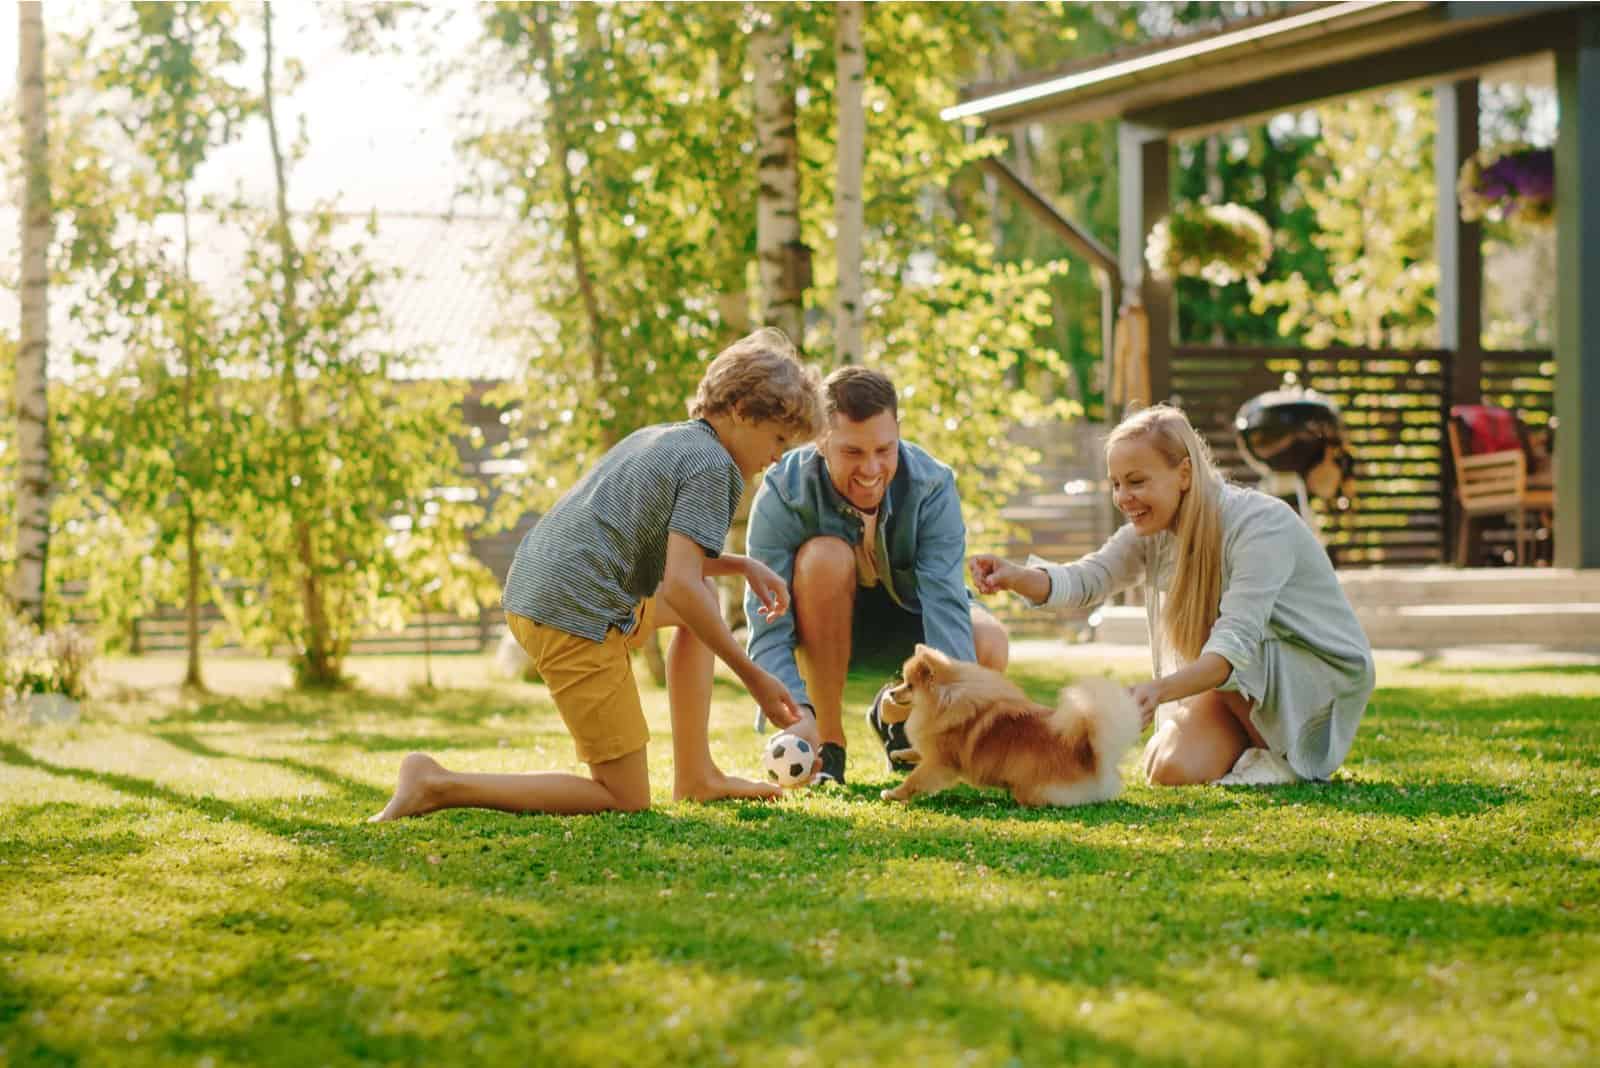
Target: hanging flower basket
1221 243
1508 182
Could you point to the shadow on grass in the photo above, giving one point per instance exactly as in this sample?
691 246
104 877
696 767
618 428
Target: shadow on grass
618 901
431 743
22 1042
1560 727
458 707
29 836
211 807
985 804
1580 670
1465 707
1409 799
349 788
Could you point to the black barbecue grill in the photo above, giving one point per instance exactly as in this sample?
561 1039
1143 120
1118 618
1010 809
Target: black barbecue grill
1293 437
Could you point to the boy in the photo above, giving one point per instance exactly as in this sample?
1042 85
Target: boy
630 547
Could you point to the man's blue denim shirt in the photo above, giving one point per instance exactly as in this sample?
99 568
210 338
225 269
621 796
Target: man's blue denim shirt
922 549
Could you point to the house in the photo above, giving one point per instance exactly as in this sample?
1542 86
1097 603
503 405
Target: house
1396 402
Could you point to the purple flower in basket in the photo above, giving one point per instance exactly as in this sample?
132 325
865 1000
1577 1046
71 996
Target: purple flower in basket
1530 174
1512 180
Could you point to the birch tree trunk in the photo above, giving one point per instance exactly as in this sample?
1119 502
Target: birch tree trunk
785 263
733 309
850 73
733 298
320 667
32 377
192 679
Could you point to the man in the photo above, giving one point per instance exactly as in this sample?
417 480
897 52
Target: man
866 529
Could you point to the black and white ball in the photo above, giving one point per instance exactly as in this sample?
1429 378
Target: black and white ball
788 759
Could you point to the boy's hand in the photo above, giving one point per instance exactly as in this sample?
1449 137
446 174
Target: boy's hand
991 574
769 589
776 702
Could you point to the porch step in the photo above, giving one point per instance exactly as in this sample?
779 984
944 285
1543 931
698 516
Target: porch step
1437 608
1572 627
1391 586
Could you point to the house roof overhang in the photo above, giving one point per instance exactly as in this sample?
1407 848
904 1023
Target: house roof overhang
1243 71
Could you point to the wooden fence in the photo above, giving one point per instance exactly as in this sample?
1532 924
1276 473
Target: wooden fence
1394 406
165 632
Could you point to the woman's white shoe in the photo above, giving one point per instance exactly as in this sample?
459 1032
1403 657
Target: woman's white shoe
1259 767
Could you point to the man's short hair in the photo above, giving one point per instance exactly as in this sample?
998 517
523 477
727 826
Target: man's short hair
858 394
760 377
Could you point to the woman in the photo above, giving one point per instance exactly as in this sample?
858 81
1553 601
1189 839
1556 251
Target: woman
1274 671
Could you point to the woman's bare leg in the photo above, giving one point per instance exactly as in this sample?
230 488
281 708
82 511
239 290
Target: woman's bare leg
1200 743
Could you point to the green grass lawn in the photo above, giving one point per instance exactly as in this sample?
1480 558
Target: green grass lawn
192 883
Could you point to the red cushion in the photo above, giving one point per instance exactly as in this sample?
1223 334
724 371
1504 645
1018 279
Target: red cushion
1489 427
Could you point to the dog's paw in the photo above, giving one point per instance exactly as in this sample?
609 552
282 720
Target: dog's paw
892 795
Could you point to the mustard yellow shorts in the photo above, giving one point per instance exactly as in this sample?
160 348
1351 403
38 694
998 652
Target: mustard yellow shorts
591 683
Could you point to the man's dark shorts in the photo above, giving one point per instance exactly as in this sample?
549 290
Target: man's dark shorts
882 634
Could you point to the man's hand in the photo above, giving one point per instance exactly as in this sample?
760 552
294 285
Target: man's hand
776 702
768 587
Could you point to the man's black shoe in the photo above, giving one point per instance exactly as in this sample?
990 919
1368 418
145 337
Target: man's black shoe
831 756
896 746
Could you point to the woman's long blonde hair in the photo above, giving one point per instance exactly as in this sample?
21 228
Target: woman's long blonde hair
1196 592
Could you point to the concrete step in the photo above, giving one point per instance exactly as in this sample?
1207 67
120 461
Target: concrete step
1573 626
1394 587
1570 627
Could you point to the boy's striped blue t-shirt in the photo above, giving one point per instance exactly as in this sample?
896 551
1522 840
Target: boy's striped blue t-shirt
588 562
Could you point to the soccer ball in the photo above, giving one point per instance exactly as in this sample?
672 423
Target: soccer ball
788 759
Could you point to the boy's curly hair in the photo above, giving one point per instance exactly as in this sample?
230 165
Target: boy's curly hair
761 378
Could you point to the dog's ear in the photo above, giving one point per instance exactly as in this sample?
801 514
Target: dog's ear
936 662
917 670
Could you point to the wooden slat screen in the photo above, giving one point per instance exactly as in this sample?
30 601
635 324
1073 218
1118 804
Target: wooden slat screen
1523 381
1392 404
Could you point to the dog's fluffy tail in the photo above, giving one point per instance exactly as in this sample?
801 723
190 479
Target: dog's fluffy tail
1112 715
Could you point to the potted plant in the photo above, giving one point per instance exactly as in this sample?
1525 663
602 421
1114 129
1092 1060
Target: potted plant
1514 181
1221 243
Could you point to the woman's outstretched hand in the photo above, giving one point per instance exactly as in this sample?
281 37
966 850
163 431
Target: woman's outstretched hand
1146 698
992 574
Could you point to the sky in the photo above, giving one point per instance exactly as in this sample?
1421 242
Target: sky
377 140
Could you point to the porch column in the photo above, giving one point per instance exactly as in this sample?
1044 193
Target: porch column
1458 245
1143 197
1577 340
1458 248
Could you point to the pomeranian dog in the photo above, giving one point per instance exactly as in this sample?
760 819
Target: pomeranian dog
970 724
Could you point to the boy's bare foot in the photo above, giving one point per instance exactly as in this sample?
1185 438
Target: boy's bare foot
418 773
720 787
